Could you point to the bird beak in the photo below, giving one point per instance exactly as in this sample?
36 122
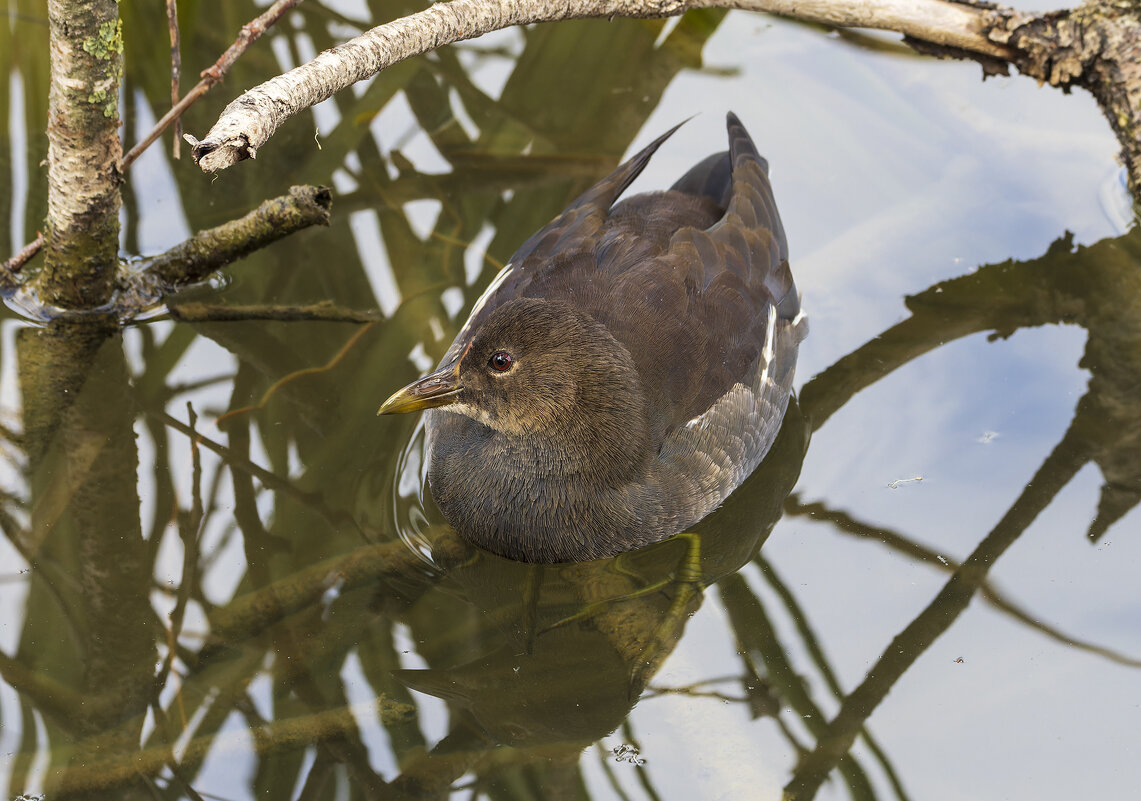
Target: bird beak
435 389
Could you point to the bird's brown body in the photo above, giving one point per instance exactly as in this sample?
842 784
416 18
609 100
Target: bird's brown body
626 371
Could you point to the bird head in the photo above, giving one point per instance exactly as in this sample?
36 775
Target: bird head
542 371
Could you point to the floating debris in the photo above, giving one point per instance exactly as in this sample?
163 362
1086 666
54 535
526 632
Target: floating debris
628 753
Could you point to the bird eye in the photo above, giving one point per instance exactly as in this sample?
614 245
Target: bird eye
501 361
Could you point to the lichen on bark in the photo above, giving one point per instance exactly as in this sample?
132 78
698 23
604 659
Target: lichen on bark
108 42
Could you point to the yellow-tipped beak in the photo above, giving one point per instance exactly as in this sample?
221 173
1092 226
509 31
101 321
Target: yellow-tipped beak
435 389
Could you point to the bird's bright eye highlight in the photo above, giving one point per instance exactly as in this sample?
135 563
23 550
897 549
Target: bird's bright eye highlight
501 361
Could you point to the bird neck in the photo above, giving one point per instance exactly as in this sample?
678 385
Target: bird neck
608 445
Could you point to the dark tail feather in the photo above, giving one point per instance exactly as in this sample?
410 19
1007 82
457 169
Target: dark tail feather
751 196
711 177
605 192
741 144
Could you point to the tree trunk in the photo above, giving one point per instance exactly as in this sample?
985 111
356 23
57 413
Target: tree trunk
83 153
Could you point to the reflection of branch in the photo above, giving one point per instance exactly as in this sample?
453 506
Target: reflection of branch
693 691
897 542
313 500
757 637
253 612
48 695
829 391
223 421
282 735
815 651
1058 469
1094 287
322 311
188 530
994 298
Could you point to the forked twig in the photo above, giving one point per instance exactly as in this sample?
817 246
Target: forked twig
249 34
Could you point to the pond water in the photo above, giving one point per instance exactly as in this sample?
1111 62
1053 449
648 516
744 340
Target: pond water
223 577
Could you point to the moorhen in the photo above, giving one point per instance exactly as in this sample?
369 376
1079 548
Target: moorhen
626 370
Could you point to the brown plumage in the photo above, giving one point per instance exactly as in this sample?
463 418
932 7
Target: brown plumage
625 372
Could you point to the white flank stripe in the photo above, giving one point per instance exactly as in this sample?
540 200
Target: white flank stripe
770 336
479 304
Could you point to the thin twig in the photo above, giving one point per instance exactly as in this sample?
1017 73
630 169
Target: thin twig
175 73
14 264
249 34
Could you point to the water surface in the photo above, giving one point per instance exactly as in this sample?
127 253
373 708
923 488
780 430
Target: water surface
223 576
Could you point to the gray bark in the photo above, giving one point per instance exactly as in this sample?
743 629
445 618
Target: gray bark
82 239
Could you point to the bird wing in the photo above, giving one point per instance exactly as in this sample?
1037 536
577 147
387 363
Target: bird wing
692 304
714 323
551 262
695 283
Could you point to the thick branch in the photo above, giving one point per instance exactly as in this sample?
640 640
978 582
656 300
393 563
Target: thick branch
1095 46
211 250
938 22
249 122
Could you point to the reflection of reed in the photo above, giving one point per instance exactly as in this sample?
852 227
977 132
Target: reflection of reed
844 523
758 638
266 738
1100 290
834 742
247 615
286 614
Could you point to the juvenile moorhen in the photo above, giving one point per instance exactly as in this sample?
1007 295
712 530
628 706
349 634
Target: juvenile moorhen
625 371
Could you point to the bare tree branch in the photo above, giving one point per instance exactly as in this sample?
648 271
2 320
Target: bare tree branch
249 34
14 264
248 122
1093 47
322 311
208 251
